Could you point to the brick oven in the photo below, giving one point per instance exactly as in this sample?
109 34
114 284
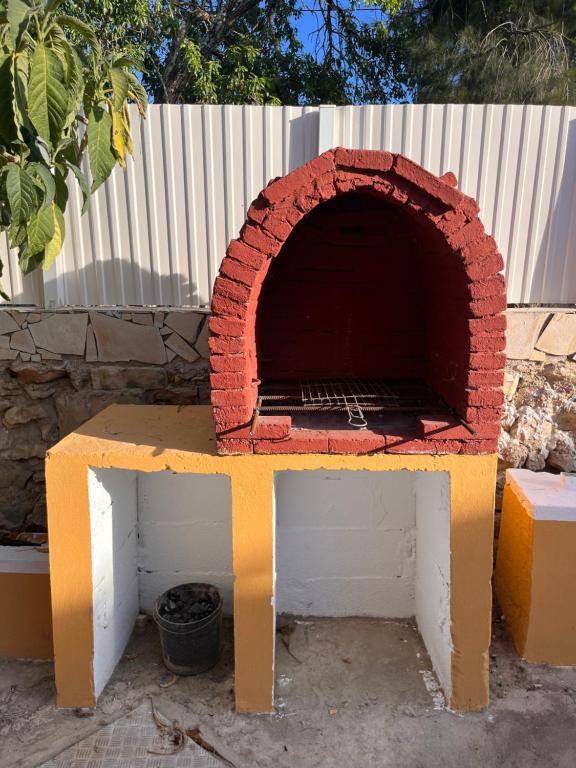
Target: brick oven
360 310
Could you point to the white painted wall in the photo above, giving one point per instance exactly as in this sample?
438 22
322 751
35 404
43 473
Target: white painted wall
345 543
368 544
113 513
150 532
23 560
432 494
156 233
184 534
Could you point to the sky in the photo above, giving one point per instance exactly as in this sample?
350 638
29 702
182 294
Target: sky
310 20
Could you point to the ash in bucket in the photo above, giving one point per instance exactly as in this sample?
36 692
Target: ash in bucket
180 605
189 619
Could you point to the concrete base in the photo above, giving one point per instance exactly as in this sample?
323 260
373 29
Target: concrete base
362 695
89 635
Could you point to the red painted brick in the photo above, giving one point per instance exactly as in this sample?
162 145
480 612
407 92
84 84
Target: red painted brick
489 306
480 446
478 250
410 444
257 238
487 361
292 184
287 211
491 342
434 186
239 272
243 253
226 326
449 178
488 286
369 159
224 418
228 363
359 442
223 398
486 396
491 265
231 289
489 430
491 324
278 226
226 346
258 210
230 380
347 181
325 187
222 305
485 378
479 415
232 446
441 428
301 441
382 187
267 428
469 233
450 222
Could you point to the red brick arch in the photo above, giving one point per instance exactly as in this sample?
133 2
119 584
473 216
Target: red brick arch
475 392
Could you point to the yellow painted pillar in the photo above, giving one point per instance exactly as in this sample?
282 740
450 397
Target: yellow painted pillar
254 610
71 579
472 487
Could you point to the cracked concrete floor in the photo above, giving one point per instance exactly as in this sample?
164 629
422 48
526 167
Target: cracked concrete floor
362 695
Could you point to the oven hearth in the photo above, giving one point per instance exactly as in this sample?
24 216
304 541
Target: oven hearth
352 404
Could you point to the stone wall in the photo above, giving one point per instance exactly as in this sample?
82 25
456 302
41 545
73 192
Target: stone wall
57 369
539 415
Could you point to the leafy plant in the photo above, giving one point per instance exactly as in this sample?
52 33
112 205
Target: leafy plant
60 96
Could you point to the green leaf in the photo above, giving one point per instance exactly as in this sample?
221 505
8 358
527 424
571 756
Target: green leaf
129 62
61 197
120 85
47 97
102 159
119 137
17 235
20 77
29 261
75 85
21 192
55 245
40 231
7 128
52 5
47 181
141 97
16 13
79 27
84 186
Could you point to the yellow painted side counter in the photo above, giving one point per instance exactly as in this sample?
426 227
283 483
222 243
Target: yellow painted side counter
535 578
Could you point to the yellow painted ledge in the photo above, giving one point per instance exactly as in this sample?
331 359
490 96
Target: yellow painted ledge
26 625
181 439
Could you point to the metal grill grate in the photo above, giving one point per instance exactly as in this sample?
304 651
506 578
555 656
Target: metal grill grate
355 397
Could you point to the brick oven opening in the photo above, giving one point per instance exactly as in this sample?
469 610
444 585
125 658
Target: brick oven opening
360 310
357 321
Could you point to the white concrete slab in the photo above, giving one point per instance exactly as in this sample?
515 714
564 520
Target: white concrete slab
547 496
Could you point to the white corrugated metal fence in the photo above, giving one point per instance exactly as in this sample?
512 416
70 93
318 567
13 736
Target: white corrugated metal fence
155 234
